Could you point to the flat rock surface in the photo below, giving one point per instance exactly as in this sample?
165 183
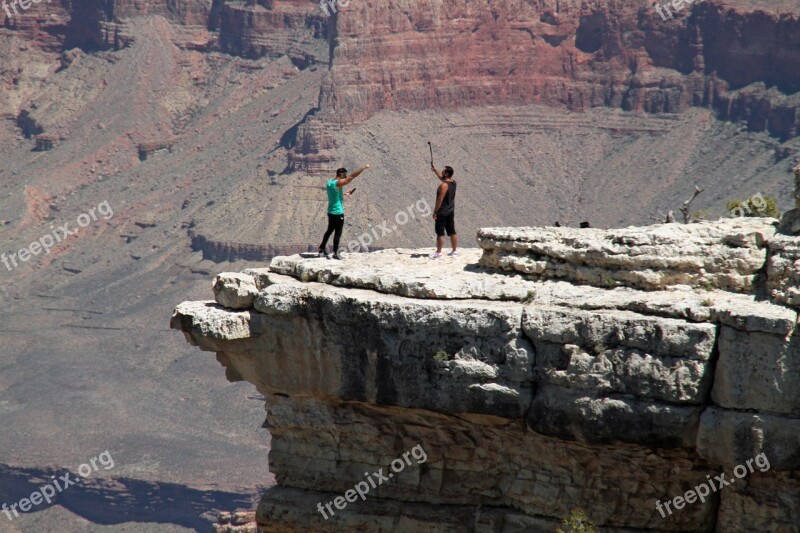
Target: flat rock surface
409 273
412 274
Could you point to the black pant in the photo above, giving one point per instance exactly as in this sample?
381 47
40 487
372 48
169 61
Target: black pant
445 224
335 224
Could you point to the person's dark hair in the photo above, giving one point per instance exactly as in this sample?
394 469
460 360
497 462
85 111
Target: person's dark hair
341 171
448 172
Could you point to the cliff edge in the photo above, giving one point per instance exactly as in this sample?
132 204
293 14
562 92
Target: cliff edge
614 371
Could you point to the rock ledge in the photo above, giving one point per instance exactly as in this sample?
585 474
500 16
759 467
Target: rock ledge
548 370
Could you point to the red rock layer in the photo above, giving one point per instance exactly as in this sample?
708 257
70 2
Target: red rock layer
446 54
41 24
618 53
271 27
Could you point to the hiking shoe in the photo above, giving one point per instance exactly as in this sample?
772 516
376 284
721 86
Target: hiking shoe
322 253
453 254
435 255
337 256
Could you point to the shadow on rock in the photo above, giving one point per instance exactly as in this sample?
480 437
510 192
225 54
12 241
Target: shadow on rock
118 500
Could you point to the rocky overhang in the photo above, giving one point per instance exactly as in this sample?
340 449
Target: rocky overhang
551 369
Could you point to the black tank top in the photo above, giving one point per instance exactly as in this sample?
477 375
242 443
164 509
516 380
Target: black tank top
449 203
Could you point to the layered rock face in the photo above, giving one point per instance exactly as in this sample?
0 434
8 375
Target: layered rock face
571 54
425 54
549 370
726 256
42 24
575 55
273 27
295 28
233 251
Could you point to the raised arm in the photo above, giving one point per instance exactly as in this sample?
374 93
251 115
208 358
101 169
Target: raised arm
344 181
440 193
435 171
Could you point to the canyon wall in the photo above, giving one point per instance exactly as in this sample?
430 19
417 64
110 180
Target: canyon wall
42 25
422 54
272 28
219 251
428 54
552 369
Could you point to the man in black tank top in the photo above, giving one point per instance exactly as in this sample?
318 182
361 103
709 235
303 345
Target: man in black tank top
445 211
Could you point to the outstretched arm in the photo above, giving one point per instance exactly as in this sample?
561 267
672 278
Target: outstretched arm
435 171
440 193
344 181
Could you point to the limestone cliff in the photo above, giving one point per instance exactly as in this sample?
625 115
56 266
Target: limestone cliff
554 368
